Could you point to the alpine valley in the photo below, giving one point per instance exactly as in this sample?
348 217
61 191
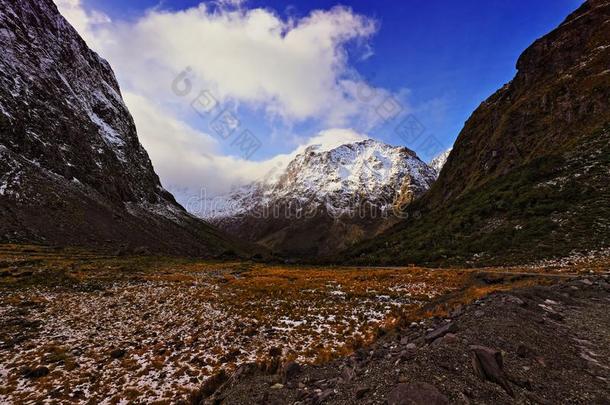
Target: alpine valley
354 274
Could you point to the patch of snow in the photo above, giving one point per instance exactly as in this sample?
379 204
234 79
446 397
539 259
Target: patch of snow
110 135
4 111
439 161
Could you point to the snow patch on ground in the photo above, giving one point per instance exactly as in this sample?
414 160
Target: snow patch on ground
176 328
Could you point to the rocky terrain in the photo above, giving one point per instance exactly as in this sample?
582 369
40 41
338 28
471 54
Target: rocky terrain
535 345
156 329
527 177
325 200
72 171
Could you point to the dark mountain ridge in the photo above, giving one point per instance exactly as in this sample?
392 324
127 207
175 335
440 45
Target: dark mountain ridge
72 170
528 176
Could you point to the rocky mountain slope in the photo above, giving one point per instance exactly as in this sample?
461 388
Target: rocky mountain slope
528 176
325 200
72 171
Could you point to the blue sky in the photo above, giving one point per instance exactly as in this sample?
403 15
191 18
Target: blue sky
438 59
450 55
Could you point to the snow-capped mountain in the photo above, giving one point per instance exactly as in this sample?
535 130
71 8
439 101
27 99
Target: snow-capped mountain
439 161
72 170
360 185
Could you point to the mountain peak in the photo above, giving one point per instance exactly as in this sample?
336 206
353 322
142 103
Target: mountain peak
438 162
330 185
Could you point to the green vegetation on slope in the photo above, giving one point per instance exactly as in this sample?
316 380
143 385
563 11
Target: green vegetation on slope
551 206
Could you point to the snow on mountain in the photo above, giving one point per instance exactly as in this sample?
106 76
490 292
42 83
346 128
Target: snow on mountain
439 161
352 189
72 169
337 179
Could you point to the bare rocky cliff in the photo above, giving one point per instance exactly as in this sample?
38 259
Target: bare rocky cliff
72 171
558 97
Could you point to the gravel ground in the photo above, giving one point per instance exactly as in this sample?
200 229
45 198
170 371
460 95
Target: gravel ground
547 345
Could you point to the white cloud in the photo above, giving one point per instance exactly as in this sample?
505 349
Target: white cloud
189 161
84 22
293 69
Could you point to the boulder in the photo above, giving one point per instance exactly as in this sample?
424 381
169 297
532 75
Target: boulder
489 366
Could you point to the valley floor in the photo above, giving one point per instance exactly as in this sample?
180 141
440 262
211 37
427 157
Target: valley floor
536 345
85 327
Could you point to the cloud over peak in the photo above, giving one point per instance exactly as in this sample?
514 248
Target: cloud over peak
293 69
287 71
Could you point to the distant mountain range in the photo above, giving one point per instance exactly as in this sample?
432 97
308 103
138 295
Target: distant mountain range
325 200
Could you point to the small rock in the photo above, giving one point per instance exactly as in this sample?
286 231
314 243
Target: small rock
404 341
449 339
524 351
416 394
515 300
277 386
479 313
117 353
411 346
35 372
555 316
440 332
362 391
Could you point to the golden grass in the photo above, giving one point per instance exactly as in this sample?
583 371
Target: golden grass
188 318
